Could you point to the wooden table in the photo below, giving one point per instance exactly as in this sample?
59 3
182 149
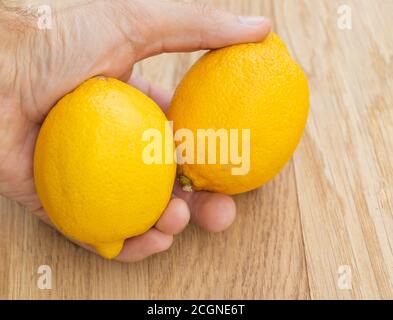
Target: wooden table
322 229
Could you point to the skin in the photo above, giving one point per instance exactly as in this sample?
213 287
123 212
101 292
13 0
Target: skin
107 38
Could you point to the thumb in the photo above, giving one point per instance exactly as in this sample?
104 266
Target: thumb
179 27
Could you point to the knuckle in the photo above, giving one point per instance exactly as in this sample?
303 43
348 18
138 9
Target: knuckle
161 245
205 10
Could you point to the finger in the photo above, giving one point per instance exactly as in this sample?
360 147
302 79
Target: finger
190 27
175 218
159 95
214 212
41 214
126 75
141 247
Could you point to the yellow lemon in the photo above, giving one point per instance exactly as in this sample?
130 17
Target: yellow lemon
89 169
255 92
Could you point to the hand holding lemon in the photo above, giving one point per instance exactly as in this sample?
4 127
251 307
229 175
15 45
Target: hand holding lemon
90 172
112 196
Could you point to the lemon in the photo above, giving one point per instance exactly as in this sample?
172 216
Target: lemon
256 87
88 166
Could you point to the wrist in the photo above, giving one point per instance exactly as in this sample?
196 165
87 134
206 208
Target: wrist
8 42
17 31
58 4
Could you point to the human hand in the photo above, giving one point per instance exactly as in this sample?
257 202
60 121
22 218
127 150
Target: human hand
90 38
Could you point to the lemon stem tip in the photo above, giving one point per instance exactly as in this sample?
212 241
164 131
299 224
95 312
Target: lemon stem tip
186 183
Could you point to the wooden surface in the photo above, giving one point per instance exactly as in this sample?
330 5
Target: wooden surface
330 207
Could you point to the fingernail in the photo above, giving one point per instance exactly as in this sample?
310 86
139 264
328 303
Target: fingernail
252 20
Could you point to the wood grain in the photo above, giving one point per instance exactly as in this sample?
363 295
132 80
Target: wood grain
330 207
343 173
